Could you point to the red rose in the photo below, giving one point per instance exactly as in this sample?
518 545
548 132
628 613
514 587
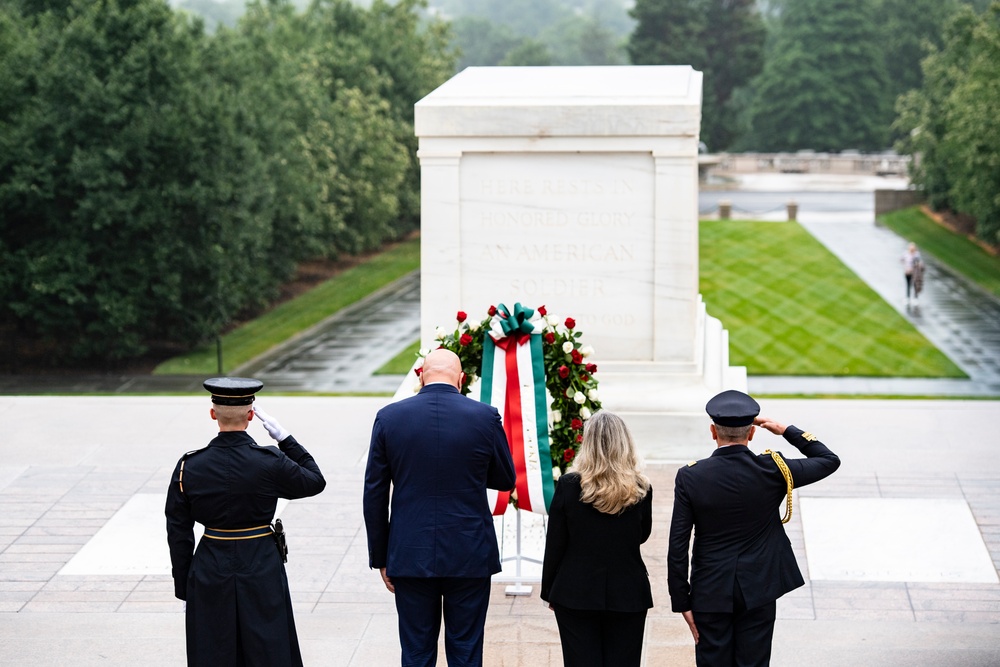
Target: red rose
576 424
591 368
584 377
577 357
461 316
568 455
564 372
492 311
418 370
550 337
570 323
542 311
579 438
465 339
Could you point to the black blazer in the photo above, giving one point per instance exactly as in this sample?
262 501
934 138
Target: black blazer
592 559
438 451
732 501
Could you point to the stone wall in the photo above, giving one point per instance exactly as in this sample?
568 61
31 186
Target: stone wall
887 201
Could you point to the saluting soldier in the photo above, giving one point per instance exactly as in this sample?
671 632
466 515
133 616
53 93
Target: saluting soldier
238 610
743 561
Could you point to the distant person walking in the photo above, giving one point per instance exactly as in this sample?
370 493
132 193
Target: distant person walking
238 610
913 270
434 455
742 560
593 575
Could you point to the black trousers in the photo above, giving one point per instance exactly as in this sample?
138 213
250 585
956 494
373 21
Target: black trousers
738 639
419 604
600 638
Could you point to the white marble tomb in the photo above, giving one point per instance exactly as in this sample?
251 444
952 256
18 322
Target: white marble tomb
576 188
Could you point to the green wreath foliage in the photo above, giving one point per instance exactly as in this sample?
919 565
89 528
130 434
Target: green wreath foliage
569 377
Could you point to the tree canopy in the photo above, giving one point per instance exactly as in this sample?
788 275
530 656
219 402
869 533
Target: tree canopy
951 125
724 39
157 183
823 82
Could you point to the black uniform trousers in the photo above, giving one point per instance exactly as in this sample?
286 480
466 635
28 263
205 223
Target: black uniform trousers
738 639
419 605
600 638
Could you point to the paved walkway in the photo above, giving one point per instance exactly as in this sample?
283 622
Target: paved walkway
82 583
914 582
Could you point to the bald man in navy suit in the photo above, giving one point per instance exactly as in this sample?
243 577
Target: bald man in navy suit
436 550
743 561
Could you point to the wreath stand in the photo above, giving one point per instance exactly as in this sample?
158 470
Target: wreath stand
518 588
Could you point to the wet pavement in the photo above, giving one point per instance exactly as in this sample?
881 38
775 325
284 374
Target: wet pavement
341 354
72 467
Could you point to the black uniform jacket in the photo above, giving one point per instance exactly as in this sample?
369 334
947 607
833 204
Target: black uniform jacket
238 608
733 501
438 451
592 559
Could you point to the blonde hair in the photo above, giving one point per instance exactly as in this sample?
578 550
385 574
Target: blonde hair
610 472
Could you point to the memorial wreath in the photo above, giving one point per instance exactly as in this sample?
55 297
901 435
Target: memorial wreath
568 377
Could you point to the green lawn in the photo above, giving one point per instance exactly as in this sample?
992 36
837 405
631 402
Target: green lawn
256 337
402 362
953 250
792 308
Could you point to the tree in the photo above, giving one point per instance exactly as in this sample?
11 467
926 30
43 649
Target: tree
823 83
529 52
974 131
131 194
157 183
907 29
668 32
923 114
724 39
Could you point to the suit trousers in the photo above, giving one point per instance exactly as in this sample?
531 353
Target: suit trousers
600 638
738 639
419 605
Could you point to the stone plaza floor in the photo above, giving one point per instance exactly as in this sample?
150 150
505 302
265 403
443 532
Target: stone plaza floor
900 547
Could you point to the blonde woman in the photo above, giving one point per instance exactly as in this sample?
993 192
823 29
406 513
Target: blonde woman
593 576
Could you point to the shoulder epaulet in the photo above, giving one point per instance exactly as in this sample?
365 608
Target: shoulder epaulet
267 448
809 436
691 464
180 475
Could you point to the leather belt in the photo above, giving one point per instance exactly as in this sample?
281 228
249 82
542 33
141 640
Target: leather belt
238 534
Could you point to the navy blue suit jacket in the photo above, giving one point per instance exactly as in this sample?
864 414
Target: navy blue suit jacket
733 501
438 451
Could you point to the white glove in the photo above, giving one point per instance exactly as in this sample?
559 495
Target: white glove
274 429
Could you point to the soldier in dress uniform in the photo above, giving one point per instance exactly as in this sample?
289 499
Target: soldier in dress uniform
238 611
743 561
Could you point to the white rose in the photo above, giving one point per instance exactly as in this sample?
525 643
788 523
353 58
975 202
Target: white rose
568 347
552 320
585 414
556 416
556 473
579 398
586 350
423 353
592 395
417 387
420 361
473 326
440 333
569 392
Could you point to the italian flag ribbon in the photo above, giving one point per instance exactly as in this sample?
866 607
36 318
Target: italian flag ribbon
513 381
